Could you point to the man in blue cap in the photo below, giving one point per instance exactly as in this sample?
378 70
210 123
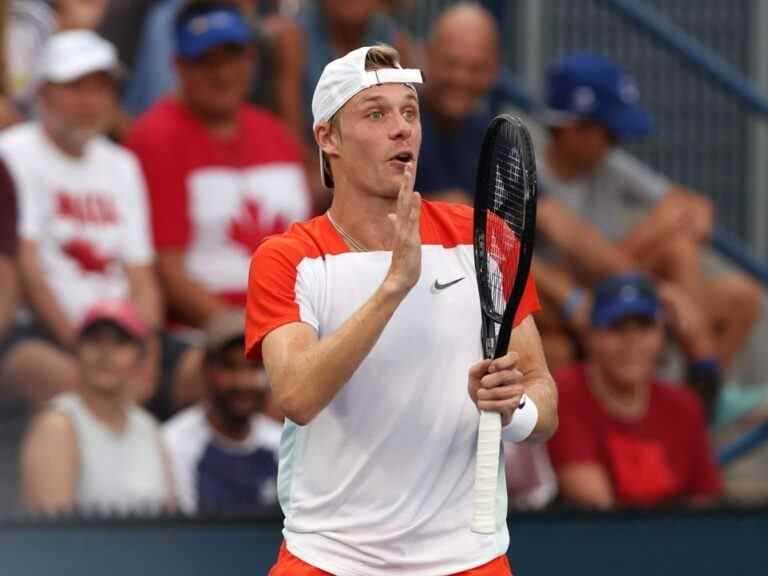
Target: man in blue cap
222 174
626 438
606 212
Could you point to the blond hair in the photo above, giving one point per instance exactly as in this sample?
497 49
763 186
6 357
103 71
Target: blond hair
378 57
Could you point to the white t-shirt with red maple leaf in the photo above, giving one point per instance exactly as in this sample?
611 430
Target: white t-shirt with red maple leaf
214 199
87 215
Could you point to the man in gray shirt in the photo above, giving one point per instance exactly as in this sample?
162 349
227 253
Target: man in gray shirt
603 212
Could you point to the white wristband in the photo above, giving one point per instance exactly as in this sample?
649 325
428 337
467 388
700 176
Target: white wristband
523 421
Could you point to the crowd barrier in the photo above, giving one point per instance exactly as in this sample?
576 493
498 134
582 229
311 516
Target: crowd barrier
701 543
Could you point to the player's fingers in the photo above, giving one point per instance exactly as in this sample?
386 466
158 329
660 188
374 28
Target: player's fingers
505 362
501 393
503 378
405 195
504 407
479 369
415 215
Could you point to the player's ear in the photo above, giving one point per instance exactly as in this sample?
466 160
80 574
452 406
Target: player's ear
327 139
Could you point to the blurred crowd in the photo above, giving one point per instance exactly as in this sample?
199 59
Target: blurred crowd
148 146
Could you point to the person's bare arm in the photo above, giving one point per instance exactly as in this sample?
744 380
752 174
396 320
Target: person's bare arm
40 297
9 292
579 241
186 297
678 211
49 464
306 373
497 385
538 382
586 484
558 286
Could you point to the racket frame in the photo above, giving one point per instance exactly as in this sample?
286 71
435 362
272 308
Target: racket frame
495 344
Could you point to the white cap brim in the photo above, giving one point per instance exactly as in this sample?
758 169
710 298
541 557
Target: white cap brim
73 54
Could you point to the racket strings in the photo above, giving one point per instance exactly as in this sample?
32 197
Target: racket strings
505 221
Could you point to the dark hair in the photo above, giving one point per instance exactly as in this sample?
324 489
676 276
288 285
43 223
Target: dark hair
192 8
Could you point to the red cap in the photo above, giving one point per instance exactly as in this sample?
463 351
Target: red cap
122 313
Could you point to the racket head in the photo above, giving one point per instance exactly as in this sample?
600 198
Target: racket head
504 222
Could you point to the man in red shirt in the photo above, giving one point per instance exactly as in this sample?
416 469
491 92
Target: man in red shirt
221 174
625 438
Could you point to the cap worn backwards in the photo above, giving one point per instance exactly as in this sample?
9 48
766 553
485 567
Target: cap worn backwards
345 77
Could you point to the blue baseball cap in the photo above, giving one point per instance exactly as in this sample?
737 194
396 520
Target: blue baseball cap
199 30
621 296
585 86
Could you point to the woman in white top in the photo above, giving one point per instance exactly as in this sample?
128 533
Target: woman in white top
94 449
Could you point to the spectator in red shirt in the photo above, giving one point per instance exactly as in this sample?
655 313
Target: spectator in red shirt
221 174
625 438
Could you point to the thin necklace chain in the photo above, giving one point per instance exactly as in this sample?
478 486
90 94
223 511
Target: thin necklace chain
354 244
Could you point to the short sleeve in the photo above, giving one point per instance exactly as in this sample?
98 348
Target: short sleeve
276 294
576 439
165 184
137 244
529 303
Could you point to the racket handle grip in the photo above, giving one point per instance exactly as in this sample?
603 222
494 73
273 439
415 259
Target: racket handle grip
486 473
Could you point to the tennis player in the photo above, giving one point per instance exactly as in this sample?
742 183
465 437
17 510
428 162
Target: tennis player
368 322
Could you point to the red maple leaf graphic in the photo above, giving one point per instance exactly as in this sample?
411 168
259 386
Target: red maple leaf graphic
87 256
247 229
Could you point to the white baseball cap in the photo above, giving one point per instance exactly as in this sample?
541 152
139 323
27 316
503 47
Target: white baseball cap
73 54
345 77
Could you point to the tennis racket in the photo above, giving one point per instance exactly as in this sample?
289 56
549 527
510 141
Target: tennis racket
505 220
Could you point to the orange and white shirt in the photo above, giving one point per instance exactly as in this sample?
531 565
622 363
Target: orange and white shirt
380 481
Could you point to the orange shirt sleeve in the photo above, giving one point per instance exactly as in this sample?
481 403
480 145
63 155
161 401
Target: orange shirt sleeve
529 303
271 299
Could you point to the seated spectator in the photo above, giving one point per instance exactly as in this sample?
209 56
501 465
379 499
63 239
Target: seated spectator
224 449
221 173
83 227
626 438
658 225
93 449
461 66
